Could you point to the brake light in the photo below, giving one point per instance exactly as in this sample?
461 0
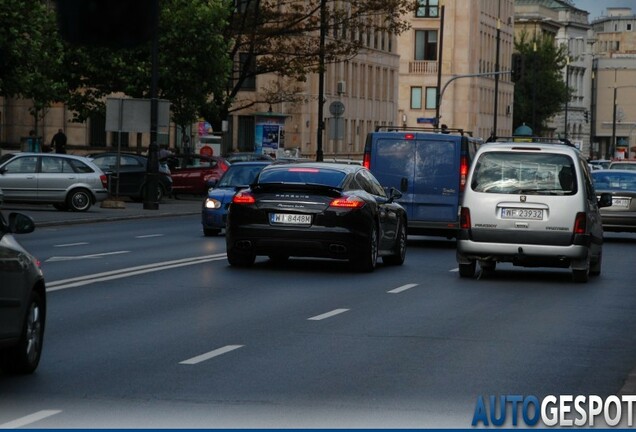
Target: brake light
104 179
243 198
309 170
464 218
580 223
347 202
463 172
366 160
409 136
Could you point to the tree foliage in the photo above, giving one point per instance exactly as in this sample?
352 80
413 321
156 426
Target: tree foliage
541 91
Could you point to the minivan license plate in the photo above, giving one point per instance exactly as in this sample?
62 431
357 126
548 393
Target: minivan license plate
518 213
290 219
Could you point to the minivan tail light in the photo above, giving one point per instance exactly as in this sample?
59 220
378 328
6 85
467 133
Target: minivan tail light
347 202
464 218
463 172
580 223
243 198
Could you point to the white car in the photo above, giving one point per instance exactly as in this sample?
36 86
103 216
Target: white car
66 181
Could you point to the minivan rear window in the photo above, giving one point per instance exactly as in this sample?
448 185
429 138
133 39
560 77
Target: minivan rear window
524 173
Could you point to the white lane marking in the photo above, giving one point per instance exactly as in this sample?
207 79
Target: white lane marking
148 236
71 244
209 355
131 271
81 257
327 315
31 418
454 270
402 288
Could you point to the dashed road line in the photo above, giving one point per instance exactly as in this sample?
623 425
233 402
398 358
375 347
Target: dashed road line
327 315
29 419
402 288
149 236
211 354
70 244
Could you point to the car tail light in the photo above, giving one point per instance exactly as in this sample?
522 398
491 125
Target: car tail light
243 198
580 223
366 160
347 202
464 218
104 179
463 172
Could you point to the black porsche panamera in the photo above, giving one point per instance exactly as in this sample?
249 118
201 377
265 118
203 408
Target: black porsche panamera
316 209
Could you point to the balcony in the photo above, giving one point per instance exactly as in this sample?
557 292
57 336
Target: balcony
423 67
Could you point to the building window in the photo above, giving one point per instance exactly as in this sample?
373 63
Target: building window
427 9
425 45
629 27
247 69
416 98
431 97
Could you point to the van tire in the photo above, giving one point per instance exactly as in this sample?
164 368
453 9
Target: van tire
468 270
595 267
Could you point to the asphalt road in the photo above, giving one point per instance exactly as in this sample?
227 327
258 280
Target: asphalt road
148 326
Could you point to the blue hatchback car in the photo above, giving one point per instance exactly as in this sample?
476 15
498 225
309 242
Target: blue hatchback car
238 176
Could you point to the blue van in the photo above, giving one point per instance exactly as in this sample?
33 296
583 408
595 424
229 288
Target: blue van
429 166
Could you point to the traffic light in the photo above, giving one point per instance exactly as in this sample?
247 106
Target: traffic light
114 23
518 66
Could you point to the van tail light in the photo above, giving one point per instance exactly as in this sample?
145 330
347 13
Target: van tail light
464 218
347 202
243 198
104 179
580 223
463 172
366 160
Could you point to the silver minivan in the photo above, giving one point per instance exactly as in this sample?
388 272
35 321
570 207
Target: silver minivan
531 204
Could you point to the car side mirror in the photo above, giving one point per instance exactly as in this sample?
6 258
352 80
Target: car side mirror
20 223
212 182
394 194
605 200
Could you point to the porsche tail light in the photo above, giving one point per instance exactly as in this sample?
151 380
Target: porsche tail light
347 202
243 198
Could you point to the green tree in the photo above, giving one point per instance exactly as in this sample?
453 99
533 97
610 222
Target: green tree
31 55
541 92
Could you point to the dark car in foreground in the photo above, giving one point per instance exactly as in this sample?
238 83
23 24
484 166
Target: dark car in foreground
321 210
22 299
132 175
621 184
192 174
239 176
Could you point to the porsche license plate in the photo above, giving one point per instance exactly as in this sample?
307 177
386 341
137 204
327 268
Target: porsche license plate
290 219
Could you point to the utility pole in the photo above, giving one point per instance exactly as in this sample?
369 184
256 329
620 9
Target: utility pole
321 81
496 107
439 64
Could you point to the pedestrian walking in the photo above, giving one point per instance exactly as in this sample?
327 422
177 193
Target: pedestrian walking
59 142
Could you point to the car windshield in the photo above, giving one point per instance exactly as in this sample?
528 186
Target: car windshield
524 173
614 181
239 175
303 175
623 165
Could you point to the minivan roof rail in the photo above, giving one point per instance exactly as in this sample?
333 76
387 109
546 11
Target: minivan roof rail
392 128
532 139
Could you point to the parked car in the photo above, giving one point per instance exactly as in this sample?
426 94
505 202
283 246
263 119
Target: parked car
132 175
597 164
192 174
621 184
22 299
429 168
316 210
239 176
531 204
247 156
623 165
66 181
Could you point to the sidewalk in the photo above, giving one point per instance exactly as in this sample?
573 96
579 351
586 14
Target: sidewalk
46 215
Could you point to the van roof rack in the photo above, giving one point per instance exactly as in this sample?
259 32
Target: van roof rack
446 130
531 139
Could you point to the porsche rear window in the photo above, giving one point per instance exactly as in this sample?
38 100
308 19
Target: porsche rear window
307 175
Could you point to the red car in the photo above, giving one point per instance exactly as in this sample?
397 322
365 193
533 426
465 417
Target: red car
192 173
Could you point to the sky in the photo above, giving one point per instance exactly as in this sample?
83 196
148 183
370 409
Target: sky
596 8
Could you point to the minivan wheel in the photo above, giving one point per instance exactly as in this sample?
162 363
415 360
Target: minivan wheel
468 270
24 357
595 267
79 200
